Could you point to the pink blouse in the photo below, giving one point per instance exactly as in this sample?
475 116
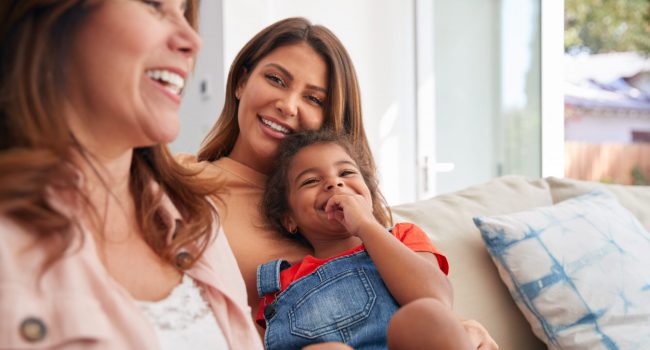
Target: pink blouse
75 304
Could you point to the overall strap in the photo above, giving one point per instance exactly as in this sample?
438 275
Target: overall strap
268 276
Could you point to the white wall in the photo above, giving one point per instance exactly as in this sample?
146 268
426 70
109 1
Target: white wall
379 35
201 107
604 129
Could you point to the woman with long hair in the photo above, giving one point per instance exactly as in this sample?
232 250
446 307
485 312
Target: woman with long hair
105 241
291 76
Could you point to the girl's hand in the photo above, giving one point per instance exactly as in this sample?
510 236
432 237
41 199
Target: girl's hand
351 210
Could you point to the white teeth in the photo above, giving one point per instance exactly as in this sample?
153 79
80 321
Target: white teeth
276 126
173 82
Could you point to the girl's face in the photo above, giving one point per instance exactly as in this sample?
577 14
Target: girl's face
126 71
316 173
284 93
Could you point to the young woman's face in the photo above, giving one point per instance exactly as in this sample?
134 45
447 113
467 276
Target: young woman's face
126 71
284 93
315 174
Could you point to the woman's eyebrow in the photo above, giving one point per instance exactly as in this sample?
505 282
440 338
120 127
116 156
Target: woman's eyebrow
290 76
280 68
317 88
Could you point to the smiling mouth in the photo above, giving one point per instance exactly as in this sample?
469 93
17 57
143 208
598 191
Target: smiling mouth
171 81
275 126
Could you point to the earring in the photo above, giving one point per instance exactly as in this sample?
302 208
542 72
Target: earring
294 230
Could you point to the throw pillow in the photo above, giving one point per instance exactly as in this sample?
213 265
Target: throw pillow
578 270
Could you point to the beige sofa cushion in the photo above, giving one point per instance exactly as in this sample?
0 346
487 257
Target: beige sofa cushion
478 290
636 199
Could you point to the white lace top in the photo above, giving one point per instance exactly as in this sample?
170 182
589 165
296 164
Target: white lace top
184 320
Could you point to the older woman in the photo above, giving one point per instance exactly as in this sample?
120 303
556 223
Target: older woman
104 241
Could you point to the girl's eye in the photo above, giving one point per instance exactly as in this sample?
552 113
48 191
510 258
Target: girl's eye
347 172
276 79
309 182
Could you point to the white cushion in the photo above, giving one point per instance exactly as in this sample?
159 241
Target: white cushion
578 270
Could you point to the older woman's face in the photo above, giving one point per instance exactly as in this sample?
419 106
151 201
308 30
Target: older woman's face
126 71
284 93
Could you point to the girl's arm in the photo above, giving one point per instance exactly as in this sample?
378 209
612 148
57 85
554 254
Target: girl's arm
407 274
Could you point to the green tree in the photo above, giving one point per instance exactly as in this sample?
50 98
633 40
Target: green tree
638 177
599 26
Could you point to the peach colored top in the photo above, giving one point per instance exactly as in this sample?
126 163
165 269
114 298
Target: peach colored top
76 304
252 242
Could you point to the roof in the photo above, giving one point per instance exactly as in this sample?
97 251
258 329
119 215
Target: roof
612 82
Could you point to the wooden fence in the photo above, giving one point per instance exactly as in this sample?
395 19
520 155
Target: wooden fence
606 162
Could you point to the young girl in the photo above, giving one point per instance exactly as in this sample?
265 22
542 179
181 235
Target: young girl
361 273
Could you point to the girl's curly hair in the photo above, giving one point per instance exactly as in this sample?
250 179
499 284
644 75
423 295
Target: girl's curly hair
275 205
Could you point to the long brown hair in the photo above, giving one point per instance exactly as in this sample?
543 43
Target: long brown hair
342 108
275 204
37 149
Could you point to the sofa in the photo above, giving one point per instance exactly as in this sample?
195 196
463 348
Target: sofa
480 290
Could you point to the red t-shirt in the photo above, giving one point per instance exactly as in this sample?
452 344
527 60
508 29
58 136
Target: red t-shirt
411 235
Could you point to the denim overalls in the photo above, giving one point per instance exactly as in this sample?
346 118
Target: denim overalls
344 300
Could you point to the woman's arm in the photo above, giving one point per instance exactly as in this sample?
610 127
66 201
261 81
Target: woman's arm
407 274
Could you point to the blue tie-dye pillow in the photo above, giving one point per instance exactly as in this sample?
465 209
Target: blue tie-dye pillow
578 270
